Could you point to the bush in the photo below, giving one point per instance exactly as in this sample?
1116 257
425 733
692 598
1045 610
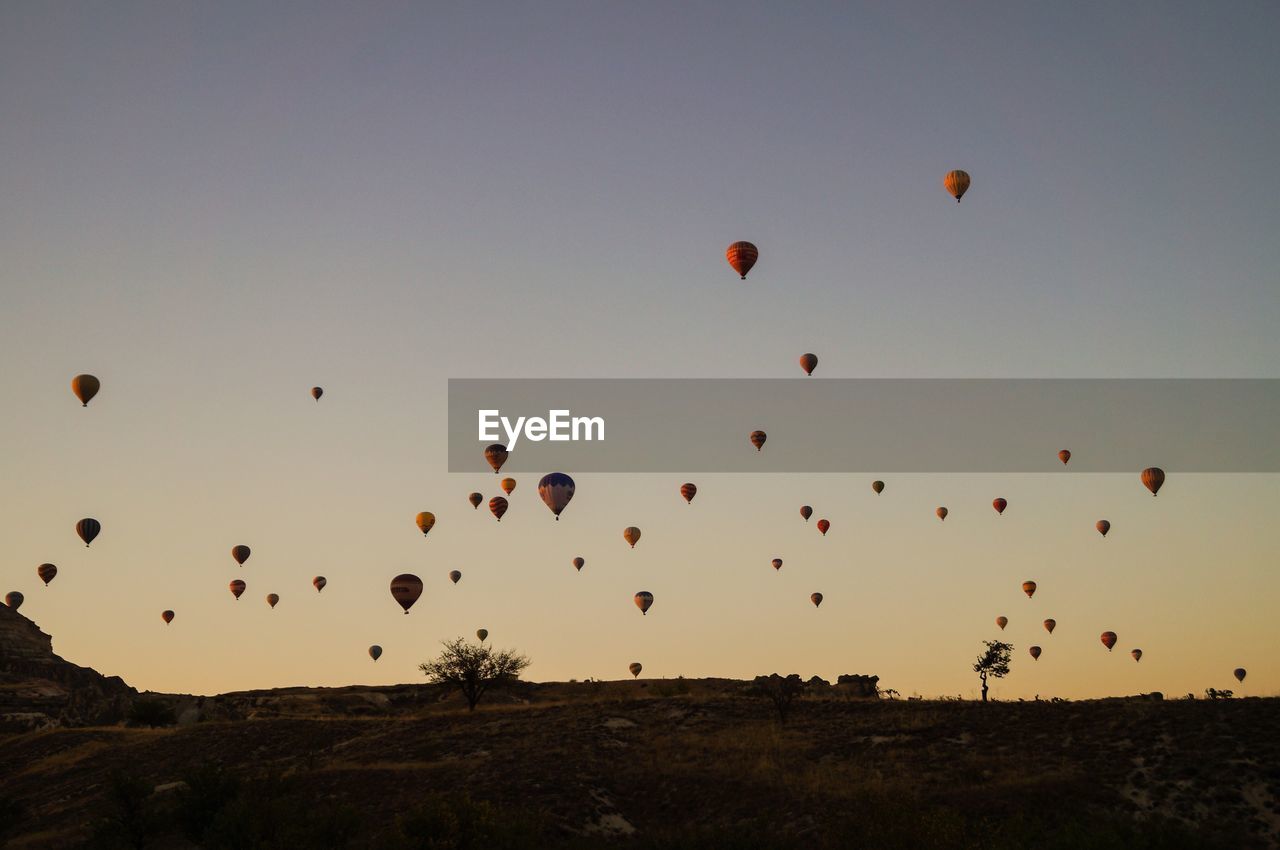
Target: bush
151 713
456 822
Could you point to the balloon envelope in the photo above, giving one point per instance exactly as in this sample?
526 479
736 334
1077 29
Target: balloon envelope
1035 652
85 387
46 572
88 529
498 507
240 553
808 362
957 183
1153 479
777 563
942 513
1137 654
455 576
1108 640
878 486
1000 505
644 600
482 634
806 512
1050 625
1064 456
426 521
405 589
375 652
508 484
823 526
1002 622
580 562
631 534
272 599
742 256
167 616
1103 527
758 438
635 667
14 599
816 599
237 587
1029 588
1239 672
316 392
319 582
688 491
475 499
556 490
496 455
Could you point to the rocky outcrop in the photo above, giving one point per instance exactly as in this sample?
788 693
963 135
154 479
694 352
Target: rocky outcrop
38 689
858 687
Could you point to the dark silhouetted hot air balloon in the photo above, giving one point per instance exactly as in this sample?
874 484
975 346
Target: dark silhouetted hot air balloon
644 599
1239 672
1103 527
405 589
1002 622
1108 640
46 573
14 599
237 588
167 616
85 387
635 667
319 582
1050 625
688 491
496 455
556 490
498 507
1000 505
508 485
1137 654
758 438
1035 652
942 513
240 553
455 576
777 563
375 652
823 526
806 512
580 562
273 599
316 392
742 256
475 499
426 521
88 529
1064 456
877 486
631 534
482 635
957 183
1153 479
816 599
1029 588
808 362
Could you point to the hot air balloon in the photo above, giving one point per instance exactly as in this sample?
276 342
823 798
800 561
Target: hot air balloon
319 582
405 589
498 507
808 362
1108 640
742 256
85 387
240 553
455 576
631 534
877 486
167 616
14 599
635 667
273 599
758 438
426 521
375 652
942 513
88 529
556 490
475 499
1029 588
1000 505
806 512
1002 622
777 563
316 392
1153 479
508 484
1035 652
816 599
496 455
237 587
1103 527
823 525
46 573
688 491
644 599
579 562
482 635
957 183
1239 672
1064 456
1137 654
1050 625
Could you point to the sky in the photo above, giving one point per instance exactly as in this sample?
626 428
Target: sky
214 207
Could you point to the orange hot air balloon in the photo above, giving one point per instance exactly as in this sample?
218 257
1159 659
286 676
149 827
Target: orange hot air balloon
1000 505
455 576
942 513
631 534
1064 456
644 600
237 588
240 553
1050 625
375 652
878 486
1108 640
475 499
688 491
1029 588
580 562
777 563
1002 622
758 438
957 183
85 387
498 507
482 635
1137 654
1035 652
14 599
556 489
46 572
405 589
1103 527
806 512
1239 673
1153 479
808 362
816 599
635 667
316 392
426 521
88 529
273 599
823 525
319 582
167 616
508 485
742 256
496 455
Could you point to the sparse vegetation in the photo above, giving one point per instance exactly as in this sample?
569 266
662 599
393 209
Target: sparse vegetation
993 663
151 713
1214 693
474 669
780 690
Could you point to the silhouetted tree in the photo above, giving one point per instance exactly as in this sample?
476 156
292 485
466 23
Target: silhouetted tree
473 668
1214 693
779 690
151 713
994 663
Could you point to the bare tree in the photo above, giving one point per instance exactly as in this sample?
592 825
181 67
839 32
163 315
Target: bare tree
473 668
779 690
994 662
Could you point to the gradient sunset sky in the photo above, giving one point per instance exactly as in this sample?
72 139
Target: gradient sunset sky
214 207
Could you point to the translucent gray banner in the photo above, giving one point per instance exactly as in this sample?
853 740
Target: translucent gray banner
867 425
